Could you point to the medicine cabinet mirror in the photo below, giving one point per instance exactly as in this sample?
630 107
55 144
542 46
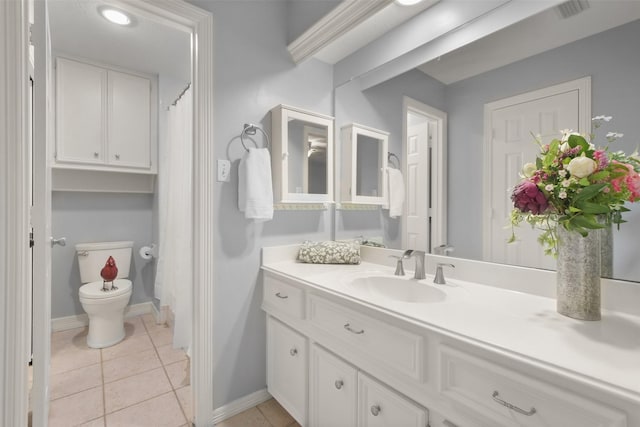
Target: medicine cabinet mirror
364 161
302 155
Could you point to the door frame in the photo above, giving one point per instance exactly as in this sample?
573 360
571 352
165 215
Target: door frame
439 163
14 214
582 85
14 194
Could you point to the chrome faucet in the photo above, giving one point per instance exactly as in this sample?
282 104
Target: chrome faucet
399 267
419 270
443 250
439 278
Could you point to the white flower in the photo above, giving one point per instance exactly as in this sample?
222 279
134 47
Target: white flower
603 118
562 194
614 135
566 133
528 169
548 187
581 167
562 173
566 183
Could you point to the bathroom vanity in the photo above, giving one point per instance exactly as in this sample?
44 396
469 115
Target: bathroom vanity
354 345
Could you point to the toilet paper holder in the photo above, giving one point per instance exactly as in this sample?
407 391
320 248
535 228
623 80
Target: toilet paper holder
148 252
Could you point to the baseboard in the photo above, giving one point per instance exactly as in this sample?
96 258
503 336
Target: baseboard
239 405
81 320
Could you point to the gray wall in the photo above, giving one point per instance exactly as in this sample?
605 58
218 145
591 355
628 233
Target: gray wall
98 217
611 59
380 107
253 73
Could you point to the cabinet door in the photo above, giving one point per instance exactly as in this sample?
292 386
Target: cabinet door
80 113
287 368
379 406
129 103
333 389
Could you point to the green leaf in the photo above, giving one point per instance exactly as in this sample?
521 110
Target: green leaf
589 192
586 222
593 208
574 209
577 140
599 175
584 182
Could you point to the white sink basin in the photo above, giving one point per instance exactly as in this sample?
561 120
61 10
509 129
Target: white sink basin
398 289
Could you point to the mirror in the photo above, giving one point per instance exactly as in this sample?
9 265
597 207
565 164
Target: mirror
364 160
302 156
507 63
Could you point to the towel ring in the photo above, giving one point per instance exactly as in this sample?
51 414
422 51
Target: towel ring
389 156
250 129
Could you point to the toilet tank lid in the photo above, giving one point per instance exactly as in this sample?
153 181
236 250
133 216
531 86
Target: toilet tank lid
99 246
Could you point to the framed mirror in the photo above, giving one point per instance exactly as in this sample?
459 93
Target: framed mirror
302 157
364 161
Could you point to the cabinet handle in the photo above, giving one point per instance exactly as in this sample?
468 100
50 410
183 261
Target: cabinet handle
96 154
348 327
282 296
375 410
293 351
339 384
496 397
117 156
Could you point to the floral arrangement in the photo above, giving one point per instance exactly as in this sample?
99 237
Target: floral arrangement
576 185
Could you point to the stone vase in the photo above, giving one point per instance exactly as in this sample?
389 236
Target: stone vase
578 274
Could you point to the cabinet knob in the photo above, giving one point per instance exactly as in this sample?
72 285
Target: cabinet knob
96 154
293 351
339 384
375 410
117 156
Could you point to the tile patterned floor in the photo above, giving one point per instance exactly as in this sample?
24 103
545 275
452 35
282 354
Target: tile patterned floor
140 382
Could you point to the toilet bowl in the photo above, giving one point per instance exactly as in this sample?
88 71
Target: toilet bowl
104 308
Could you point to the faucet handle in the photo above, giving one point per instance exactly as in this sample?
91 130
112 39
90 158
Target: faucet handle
399 267
439 276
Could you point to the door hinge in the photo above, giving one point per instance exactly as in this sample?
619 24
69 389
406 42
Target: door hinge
31 241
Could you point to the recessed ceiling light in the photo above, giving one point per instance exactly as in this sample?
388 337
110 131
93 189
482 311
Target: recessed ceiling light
115 16
407 2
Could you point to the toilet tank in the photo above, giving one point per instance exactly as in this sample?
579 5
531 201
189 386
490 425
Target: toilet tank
93 256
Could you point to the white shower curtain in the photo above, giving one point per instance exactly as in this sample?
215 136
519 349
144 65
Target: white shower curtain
174 271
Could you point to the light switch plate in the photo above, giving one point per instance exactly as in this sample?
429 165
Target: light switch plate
224 168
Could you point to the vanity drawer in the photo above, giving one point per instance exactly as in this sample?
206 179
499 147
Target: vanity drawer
283 297
392 347
508 398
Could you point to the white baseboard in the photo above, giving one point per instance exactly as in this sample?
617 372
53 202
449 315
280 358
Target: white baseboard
239 405
81 320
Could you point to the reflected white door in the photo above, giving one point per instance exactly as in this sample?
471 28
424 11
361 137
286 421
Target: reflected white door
418 174
41 218
542 113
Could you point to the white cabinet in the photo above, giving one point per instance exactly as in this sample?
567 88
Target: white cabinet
364 163
333 390
287 368
342 396
105 119
379 406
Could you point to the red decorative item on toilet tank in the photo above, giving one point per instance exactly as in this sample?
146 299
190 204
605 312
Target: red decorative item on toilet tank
109 273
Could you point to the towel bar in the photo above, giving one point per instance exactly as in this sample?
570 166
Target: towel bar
250 129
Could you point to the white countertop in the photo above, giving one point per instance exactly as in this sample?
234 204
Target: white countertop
605 353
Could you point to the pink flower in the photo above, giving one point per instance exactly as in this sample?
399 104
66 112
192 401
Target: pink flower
527 197
633 184
600 156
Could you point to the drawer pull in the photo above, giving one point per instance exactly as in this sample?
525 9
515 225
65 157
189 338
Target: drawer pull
496 397
293 351
282 296
348 327
339 384
375 410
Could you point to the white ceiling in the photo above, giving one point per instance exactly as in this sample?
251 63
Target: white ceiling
534 35
78 29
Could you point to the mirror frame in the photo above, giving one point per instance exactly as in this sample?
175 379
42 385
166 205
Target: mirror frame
280 117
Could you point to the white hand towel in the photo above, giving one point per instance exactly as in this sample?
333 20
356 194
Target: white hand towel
255 189
395 192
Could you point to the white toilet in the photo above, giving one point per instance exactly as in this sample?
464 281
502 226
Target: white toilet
104 308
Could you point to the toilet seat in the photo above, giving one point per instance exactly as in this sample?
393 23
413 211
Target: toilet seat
93 290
